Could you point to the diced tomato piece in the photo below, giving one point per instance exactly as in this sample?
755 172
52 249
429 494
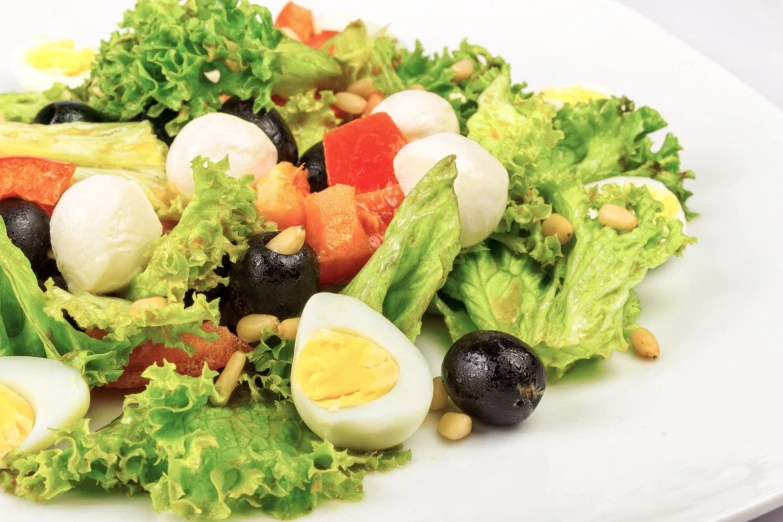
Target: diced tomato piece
334 230
318 40
361 153
280 195
382 203
215 354
279 100
39 180
297 18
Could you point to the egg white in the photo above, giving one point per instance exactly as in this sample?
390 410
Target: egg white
57 393
383 422
655 187
31 79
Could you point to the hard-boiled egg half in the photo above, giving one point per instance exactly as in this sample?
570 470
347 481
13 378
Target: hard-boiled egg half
672 209
571 95
37 396
42 63
356 380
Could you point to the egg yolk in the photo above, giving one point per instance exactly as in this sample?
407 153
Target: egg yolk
571 95
340 370
61 55
16 420
671 205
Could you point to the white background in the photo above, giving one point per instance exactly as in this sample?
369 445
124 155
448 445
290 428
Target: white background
745 37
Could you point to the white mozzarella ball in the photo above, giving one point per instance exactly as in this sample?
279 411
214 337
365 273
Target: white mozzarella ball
356 380
214 136
419 114
481 184
100 229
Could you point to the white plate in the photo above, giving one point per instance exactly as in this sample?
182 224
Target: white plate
697 435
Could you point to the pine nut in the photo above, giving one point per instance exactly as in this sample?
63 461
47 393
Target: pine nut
557 225
462 70
288 329
617 217
137 308
362 87
350 103
645 344
228 380
290 33
252 327
288 242
455 426
417 87
373 100
440 397
213 76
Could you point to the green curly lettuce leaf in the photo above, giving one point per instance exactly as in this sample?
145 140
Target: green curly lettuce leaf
583 307
610 137
417 253
518 131
23 107
26 328
310 116
163 48
364 55
164 324
434 73
196 460
215 224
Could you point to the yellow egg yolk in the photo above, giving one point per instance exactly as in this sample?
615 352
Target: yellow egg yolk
340 370
16 420
61 55
571 95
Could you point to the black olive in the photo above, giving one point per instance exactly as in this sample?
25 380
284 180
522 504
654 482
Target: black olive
159 124
269 121
27 226
265 282
68 112
315 163
49 270
494 377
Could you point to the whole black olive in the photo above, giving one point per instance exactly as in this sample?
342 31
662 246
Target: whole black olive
315 163
159 124
269 121
494 377
27 226
68 112
265 282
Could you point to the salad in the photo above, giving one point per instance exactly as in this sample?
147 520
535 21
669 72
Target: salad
242 221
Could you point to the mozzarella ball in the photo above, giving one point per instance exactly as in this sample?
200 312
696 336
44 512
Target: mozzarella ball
214 136
100 230
419 114
481 184
356 380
